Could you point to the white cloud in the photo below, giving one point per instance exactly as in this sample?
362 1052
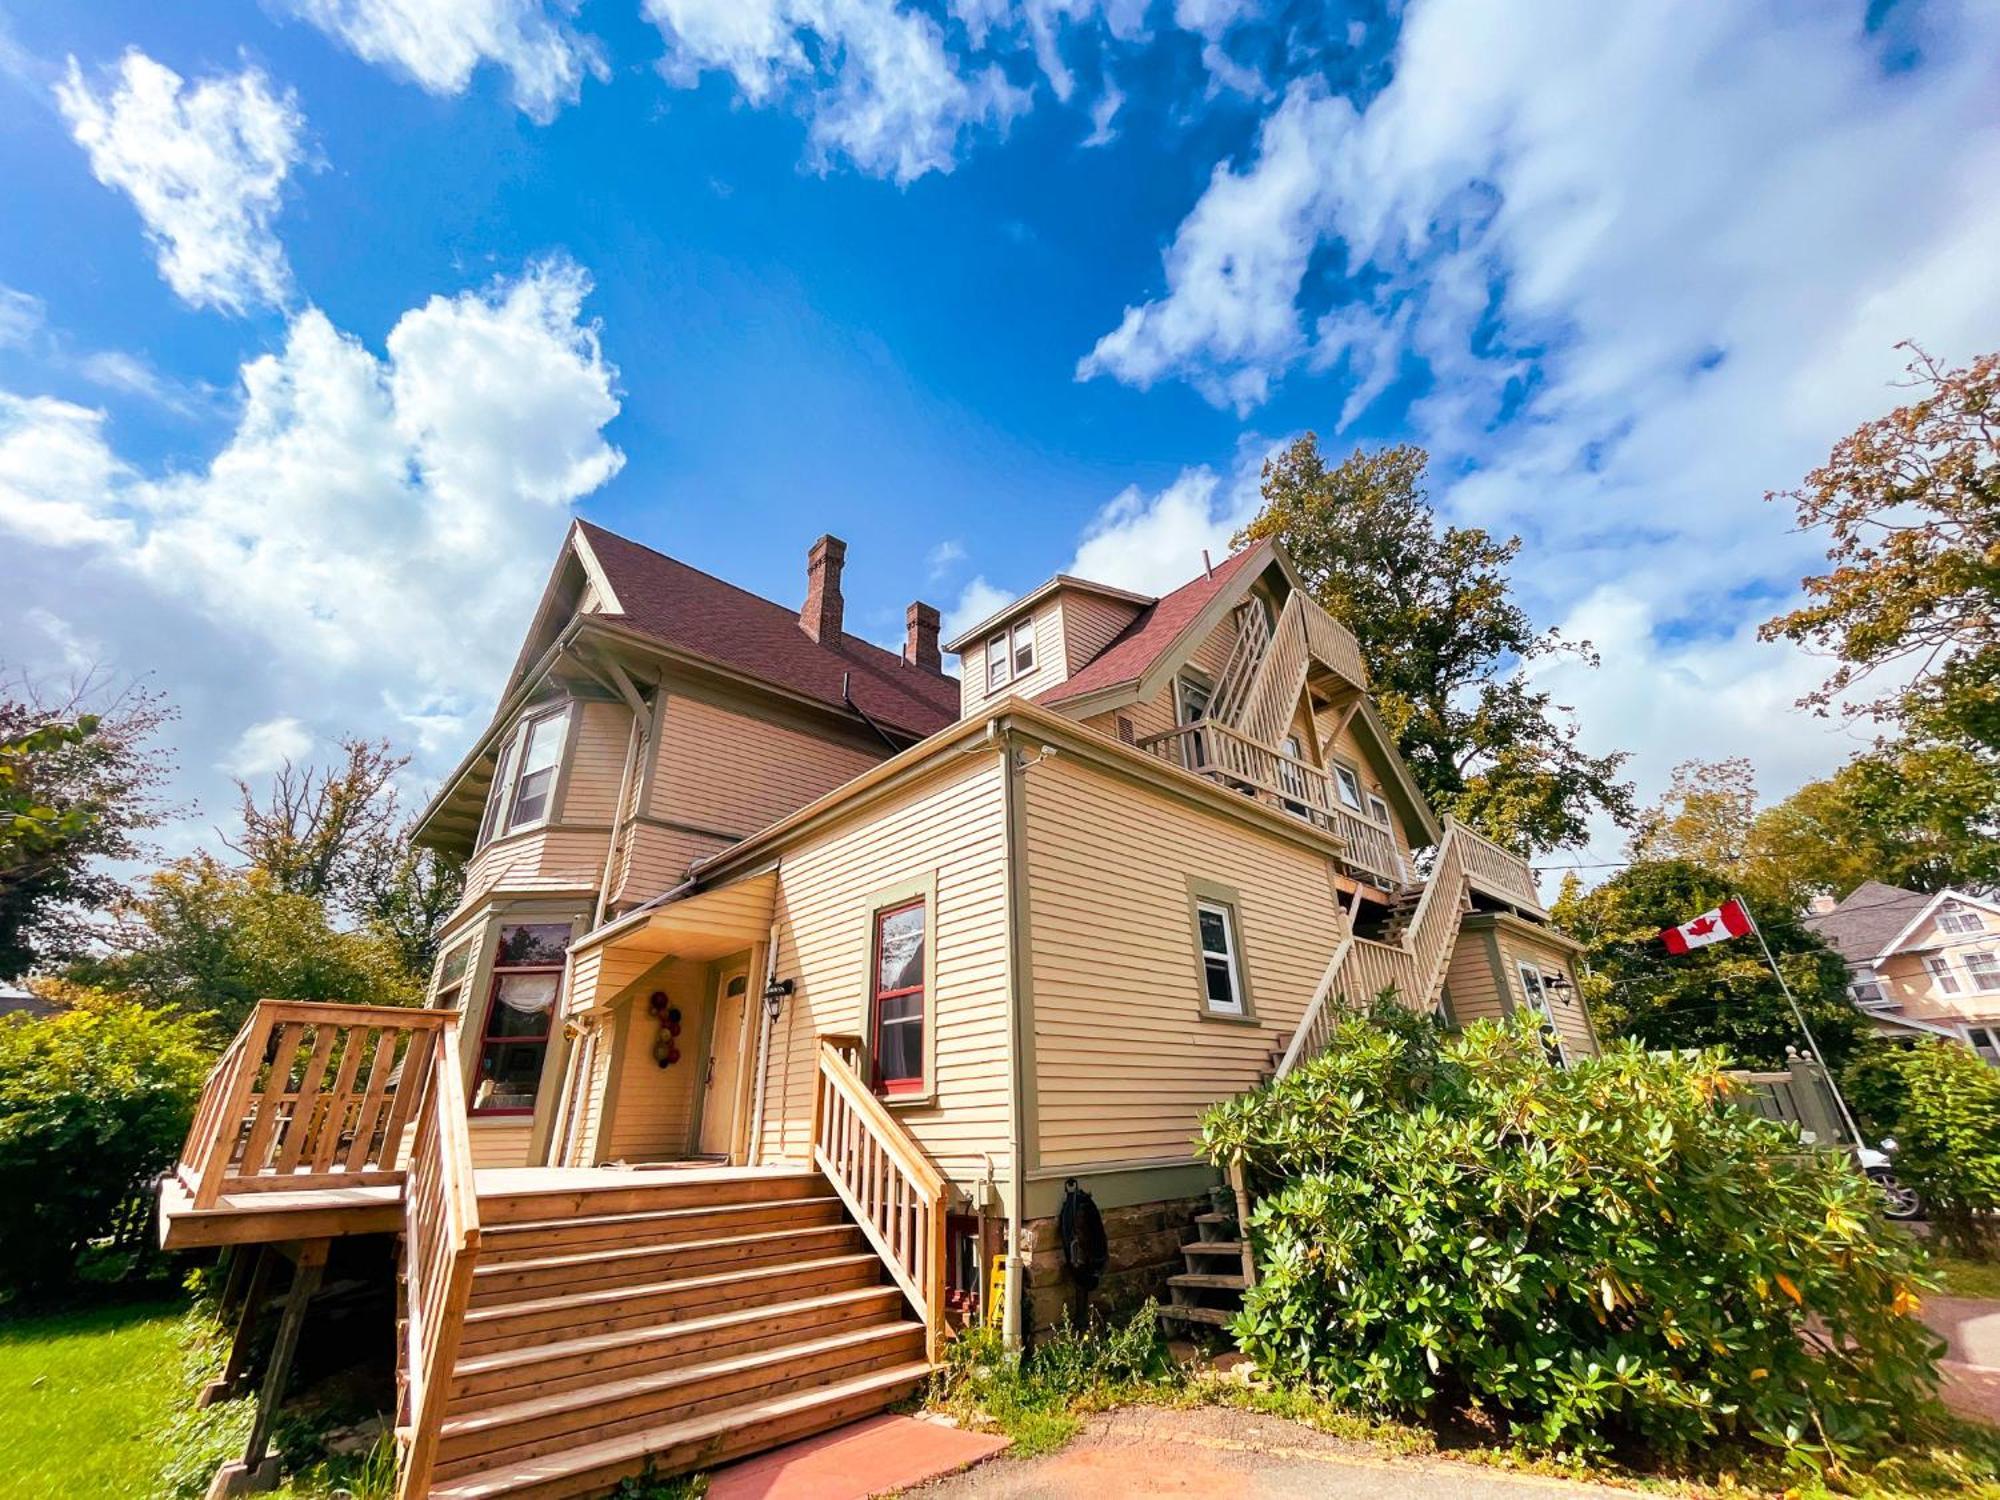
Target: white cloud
381 523
21 317
942 558
439 44
1647 263
78 653
978 600
872 77
205 167
268 746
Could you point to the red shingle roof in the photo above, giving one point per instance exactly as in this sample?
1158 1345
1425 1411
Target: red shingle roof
1154 632
694 611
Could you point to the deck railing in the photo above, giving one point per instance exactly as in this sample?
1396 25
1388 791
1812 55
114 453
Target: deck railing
441 1244
1499 871
309 1095
1361 968
1305 634
886 1181
1213 749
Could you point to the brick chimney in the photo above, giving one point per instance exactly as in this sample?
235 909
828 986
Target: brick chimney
820 618
920 637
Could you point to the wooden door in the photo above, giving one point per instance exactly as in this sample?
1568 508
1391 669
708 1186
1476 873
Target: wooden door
726 1040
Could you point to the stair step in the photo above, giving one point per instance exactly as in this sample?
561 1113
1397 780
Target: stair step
606 1310
533 1239
1214 1219
1217 1316
648 1192
1205 1282
519 1280
521 1430
492 1378
1213 1247
676 1447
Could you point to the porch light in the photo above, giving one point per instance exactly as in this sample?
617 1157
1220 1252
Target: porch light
1555 983
774 997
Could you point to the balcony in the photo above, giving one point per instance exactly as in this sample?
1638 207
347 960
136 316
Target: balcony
1268 775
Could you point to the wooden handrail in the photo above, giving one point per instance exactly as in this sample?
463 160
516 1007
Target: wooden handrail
309 1095
1498 870
441 1244
891 1188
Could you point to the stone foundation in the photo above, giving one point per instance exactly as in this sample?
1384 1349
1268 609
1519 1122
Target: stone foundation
1145 1249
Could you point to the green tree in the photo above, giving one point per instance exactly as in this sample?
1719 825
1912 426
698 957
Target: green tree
1910 504
404 894
1722 995
202 939
1925 816
1704 816
93 1100
1948 1139
78 788
1445 642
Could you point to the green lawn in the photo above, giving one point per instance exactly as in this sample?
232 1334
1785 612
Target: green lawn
85 1395
1968 1278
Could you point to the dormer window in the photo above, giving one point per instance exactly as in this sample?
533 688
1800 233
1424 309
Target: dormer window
1010 654
524 777
1958 920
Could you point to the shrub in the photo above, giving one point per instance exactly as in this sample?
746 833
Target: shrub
93 1100
1598 1256
1948 1140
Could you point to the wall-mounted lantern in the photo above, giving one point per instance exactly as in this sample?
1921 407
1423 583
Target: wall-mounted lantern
774 997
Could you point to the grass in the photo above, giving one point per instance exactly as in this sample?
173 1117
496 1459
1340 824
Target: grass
86 1394
1967 1278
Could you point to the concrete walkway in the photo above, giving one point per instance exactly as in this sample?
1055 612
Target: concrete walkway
1970 1327
1222 1454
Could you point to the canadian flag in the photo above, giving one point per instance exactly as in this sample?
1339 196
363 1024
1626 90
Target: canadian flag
1728 920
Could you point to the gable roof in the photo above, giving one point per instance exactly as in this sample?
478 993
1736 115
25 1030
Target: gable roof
1903 936
1868 920
1059 583
693 611
1153 634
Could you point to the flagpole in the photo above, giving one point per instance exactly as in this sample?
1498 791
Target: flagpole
1812 1044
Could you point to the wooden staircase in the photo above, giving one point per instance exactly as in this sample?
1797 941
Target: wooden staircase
1211 1290
662 1328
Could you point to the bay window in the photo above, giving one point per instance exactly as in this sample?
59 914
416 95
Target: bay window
524 775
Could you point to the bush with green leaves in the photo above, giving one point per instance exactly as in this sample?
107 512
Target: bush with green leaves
1948 1140
1603 1256
93 1100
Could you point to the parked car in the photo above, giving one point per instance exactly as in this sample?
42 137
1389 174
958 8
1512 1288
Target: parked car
1898 1200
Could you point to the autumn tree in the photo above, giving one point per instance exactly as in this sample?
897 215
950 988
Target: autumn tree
1910 505
1446 644
1704 816
80 783
1720 995
336 833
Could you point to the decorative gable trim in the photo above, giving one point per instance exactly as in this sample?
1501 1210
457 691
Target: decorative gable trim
1896 944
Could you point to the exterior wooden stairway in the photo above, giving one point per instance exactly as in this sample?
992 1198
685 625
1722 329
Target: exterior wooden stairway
665 1327
1218 1272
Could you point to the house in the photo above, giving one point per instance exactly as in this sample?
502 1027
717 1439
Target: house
1920 965
797 983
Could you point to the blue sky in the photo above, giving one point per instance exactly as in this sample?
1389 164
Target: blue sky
319 318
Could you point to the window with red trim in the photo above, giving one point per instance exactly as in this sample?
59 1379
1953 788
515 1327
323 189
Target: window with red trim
527 974
898 1008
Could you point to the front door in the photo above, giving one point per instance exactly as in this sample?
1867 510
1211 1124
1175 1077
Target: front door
726 1041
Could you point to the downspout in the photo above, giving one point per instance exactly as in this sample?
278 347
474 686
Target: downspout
756 1149
1010 1313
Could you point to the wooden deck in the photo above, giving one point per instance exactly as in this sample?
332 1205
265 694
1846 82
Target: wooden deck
271 1216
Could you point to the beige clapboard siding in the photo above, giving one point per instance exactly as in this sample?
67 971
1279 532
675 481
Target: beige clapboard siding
1474 994
1051 664
950 826
500 1143
1518 947
597 762
1347 745
1090 623
1124 1063
729 773
543 859
657 859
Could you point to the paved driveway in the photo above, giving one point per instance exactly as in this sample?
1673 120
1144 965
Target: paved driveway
1220 1454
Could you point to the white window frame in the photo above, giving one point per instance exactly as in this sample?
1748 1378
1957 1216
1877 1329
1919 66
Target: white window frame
1942 979
1023 634
1347 787
1985 1043
1231 955
999 668
1959 920
496 794
498 819
559 716
1192 745
1536 992
1865 987
1985 976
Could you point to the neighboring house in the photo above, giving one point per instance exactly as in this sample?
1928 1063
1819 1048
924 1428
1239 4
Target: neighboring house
787 964
1920 965
17 1002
